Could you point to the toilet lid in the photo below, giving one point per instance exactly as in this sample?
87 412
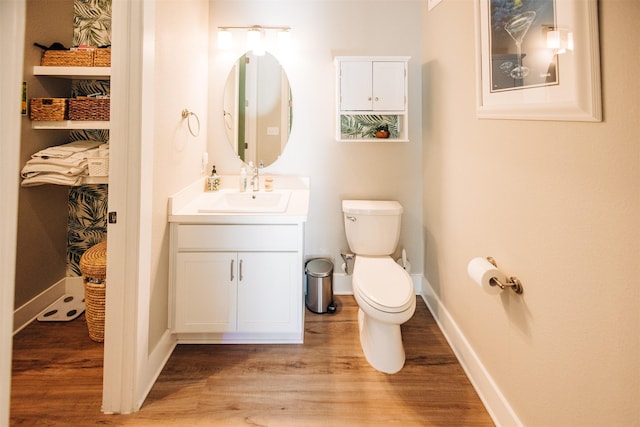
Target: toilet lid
382 283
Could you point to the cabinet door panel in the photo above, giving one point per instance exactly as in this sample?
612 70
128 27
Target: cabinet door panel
355 86
206 297
388 86
267 292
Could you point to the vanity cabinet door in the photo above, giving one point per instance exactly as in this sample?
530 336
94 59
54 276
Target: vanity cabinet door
268 292
372 85
206 295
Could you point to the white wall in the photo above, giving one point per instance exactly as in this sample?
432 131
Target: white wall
320 31
557 205
180 81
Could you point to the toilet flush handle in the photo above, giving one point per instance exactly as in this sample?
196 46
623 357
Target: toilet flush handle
351 218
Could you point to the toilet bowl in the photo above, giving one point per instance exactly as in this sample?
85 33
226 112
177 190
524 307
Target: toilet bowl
382 309
383 290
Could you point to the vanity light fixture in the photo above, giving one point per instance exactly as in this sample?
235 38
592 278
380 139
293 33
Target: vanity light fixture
559 39
256 37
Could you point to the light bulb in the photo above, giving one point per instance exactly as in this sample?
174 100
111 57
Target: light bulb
224 39
284 38
254 39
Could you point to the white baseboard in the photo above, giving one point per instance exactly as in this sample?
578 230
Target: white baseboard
28 312
491 396
155 363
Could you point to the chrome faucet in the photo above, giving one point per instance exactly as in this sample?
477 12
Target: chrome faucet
255 178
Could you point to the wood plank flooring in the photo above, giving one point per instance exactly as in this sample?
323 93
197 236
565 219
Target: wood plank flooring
57 380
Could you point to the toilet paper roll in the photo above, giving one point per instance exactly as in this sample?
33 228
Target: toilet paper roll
481 271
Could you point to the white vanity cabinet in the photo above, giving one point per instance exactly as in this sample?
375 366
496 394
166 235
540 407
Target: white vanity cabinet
370 92
237 283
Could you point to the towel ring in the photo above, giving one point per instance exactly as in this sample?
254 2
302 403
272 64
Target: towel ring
228 119
186 114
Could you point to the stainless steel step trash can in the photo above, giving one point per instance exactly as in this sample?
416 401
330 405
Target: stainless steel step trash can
319 299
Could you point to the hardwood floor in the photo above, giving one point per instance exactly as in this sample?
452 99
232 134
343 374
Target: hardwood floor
57 377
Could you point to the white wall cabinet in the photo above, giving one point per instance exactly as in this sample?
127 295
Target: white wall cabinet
371 92
237 283
372 85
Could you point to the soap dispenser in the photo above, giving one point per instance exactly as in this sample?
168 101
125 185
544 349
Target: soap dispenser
213 181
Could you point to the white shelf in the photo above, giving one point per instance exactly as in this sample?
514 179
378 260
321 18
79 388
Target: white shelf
95 180
69 124
92 73
372 140
371 113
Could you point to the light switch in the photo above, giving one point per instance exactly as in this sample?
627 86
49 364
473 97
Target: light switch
273 130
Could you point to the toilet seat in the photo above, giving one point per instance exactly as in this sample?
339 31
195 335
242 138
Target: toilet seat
383 284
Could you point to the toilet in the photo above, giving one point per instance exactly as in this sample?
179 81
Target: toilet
382 288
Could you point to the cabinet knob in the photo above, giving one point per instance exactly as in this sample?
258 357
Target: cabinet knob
377 99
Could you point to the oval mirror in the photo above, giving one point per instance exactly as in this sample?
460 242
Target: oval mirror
257 108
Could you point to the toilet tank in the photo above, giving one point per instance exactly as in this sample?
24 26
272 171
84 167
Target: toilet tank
372 226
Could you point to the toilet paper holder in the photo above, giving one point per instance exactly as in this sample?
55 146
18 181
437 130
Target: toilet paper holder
512 282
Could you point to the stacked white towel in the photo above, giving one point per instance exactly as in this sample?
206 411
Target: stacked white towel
62 164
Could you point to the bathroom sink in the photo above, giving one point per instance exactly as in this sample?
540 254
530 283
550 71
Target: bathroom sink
245 202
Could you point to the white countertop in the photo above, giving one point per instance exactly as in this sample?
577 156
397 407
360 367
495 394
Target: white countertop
183 206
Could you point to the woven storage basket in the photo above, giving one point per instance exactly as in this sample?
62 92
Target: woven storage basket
83 108
102 57
67 58
93 265
54 109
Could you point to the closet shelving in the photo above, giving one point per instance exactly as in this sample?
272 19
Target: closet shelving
95 73
74 73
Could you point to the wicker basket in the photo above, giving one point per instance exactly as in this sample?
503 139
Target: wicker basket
93 265
83 108
68 58
102 57
49 109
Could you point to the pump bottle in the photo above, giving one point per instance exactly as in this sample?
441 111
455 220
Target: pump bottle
213 181
243 179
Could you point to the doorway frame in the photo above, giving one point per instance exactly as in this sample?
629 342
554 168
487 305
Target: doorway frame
12 27
130 368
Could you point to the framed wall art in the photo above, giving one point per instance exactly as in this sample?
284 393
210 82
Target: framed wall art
538 60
